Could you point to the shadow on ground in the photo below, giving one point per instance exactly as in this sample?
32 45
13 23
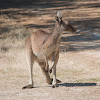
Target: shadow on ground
76 84
84 40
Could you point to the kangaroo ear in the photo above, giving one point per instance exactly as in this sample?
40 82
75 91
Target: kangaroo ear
59 14
58 18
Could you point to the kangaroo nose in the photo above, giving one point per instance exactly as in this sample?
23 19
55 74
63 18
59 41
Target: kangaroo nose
75 30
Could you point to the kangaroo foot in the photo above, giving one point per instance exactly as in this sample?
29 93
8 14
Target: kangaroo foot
58 81
30 86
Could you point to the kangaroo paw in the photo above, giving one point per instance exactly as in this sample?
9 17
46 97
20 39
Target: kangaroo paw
50 70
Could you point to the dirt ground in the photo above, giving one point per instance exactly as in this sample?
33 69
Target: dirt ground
79 63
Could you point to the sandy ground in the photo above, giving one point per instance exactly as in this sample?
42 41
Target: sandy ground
79 65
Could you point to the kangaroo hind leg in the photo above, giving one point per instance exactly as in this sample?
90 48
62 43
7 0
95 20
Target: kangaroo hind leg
30 62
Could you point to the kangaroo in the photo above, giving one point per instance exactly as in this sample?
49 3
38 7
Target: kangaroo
42 46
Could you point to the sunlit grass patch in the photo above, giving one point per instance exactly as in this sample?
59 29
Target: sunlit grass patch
69 72
12 34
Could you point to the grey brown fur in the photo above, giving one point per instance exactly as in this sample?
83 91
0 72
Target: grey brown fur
42 46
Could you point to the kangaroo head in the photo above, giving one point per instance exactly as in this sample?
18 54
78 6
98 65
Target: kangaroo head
65 26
